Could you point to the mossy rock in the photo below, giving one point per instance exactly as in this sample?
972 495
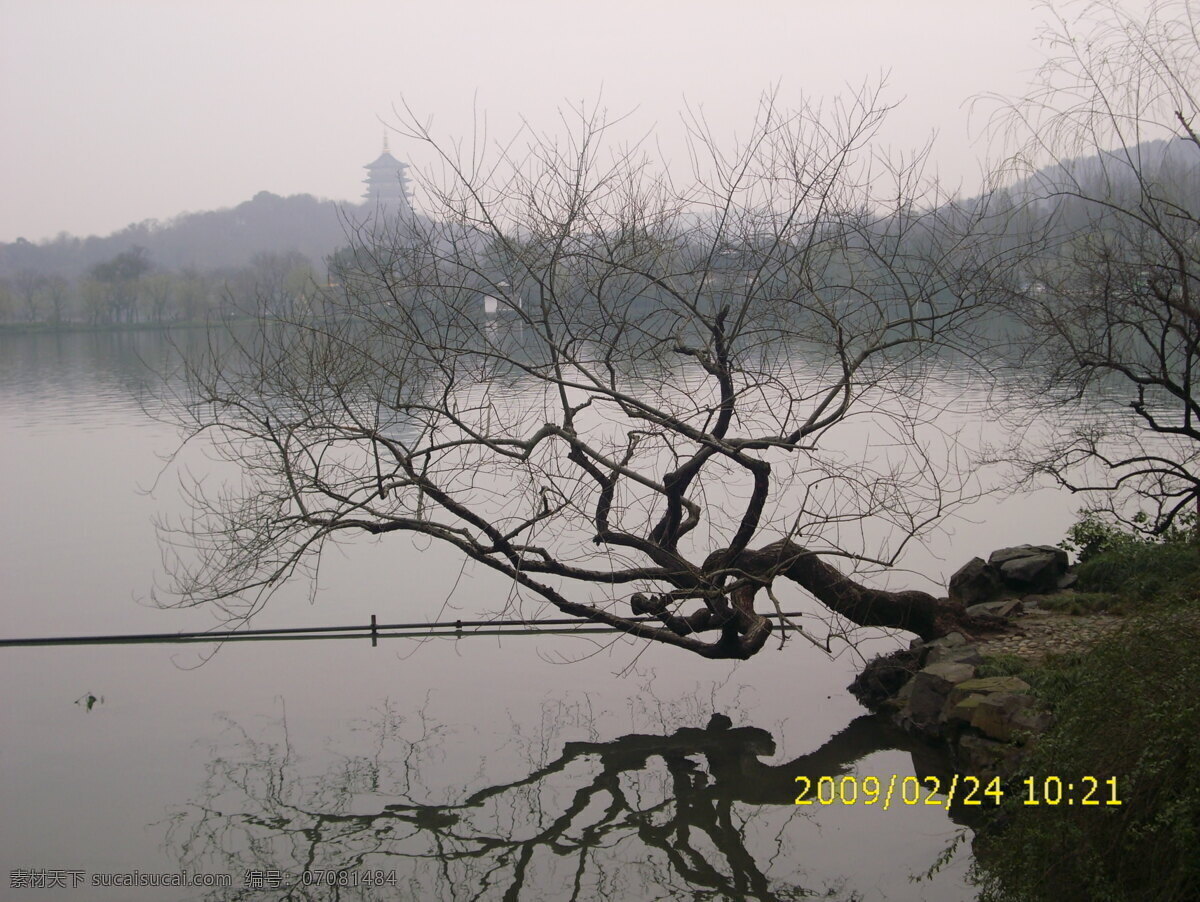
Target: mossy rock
994 684
962 710
986 686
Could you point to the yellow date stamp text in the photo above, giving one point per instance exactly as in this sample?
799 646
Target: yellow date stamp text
964 789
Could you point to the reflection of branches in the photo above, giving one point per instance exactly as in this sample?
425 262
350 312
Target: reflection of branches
641 816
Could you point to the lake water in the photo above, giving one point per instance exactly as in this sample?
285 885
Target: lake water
527 767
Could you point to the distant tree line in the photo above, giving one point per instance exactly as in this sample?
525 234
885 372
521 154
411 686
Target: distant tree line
130 289
191 267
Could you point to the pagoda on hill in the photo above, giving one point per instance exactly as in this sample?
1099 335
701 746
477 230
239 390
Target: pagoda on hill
387 183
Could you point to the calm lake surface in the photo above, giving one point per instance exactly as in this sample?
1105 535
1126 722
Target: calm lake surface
528 767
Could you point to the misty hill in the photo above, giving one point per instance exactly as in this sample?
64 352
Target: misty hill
214 240
1168 167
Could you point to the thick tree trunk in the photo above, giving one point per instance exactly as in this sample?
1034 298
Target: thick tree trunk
911 611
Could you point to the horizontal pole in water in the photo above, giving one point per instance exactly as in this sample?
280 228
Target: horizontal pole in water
455 629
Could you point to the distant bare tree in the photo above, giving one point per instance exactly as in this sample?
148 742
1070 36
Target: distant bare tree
192 293
278 281
630 395
7 299
59 293
158 289
29 287
116 285
1107 142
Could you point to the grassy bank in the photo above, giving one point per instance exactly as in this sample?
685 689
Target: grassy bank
1129 708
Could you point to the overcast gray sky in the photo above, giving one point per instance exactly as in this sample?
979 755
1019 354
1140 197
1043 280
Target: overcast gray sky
116 111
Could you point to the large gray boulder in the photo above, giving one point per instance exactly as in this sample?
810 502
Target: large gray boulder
975 582
963 654
930 688
1030 568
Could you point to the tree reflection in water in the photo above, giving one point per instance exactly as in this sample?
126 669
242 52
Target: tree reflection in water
684 814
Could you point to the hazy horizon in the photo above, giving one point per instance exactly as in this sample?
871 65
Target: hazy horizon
133 110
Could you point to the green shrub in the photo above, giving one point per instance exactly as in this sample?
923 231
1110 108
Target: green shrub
1142 572
1083 603
1091 535
1138 566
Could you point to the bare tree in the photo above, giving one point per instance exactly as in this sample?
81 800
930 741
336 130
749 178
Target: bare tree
630 395
60 293
279 280
29 287
1108 147
118 284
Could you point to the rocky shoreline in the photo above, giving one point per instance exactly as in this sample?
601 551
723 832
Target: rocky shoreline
941 690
